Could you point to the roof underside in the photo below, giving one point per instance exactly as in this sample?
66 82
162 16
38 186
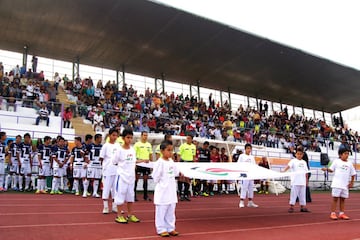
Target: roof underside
150 39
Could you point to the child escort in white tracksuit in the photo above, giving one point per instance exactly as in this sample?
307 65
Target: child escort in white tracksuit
299 180
165 197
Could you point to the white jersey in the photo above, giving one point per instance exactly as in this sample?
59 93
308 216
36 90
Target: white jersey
78 154
45 152
2 152
107 152
164 173
126 161
60 154
25 152
244 158
93 151
342 173
298 166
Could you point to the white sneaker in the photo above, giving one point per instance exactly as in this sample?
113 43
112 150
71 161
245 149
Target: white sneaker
84 195
96 195
241 204
252 204
105 210
114 209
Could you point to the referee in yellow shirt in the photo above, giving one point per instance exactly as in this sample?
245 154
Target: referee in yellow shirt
144 153
187 153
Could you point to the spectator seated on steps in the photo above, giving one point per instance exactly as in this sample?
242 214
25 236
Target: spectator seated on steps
43 115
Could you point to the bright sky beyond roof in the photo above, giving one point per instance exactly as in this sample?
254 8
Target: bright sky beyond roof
324 28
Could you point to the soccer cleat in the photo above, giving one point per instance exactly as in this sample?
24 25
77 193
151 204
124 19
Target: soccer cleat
164 234
182 198
205 194
84 195
291 210
174 233
226 192
105 210
52 192
37 191
260 192
304 210
77 194
1 189
343 217
114 209
241 204
133 218
333 216
252 204
58 192
186 197
43 192
121 219
266 192
15 189
96 195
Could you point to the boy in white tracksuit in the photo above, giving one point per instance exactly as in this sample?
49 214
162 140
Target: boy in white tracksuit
165 197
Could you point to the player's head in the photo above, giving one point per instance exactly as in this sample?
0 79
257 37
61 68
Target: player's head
61 141
127 135
113 134
98 138
88 138
27 138
299 152
78 141
18 139
343 153
2 136
248 148
47 140
166 148
206 144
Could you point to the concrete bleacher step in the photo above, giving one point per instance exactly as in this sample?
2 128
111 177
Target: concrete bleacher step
81 128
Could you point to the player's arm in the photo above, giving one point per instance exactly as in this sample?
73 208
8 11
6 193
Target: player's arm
351 183
286 168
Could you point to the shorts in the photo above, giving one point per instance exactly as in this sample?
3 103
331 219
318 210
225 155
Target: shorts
45 171
35 170
2 168
25 169
14 168
124 192
142 170
339 192
79 172
94 173
59 172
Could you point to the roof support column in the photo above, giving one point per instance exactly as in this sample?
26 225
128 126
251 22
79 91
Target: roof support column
121 76
314 114
76 68
341 120
225 96
257 104
248 100
302 110
196 90
294 109
272 107
25 55
281 105
160 84
323 114
229 97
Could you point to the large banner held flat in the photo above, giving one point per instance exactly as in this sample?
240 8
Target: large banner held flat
225 171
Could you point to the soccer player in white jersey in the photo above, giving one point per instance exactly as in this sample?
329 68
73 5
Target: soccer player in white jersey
59 160
26 162
2 159
14 162
44 156
107 152
78 164
299 181
126 161
94 168
247 186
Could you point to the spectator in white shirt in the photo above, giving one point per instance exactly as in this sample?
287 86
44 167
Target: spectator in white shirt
98 121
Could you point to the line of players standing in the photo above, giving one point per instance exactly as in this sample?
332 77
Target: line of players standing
29 167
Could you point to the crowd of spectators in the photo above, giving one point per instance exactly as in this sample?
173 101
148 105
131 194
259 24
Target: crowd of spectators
106 106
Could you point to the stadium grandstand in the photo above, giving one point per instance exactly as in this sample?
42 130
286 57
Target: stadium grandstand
218 98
